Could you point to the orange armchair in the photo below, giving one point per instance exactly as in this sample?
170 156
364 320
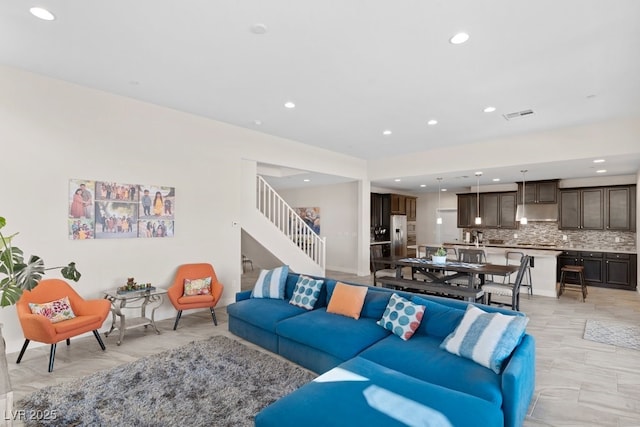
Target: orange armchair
183 302
90 315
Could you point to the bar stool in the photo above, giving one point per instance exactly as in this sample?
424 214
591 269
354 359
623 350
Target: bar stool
577 269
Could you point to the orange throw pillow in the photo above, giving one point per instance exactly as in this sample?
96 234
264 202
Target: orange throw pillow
347 300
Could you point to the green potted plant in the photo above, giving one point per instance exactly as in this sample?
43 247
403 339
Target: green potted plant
440 256
18 275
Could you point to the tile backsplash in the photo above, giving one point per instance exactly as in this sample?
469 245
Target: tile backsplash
548 233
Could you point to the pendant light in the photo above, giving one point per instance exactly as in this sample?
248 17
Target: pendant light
439 218
478 218
523 218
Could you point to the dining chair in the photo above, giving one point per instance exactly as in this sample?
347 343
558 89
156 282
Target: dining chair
507 289
428 251
514 257
378 268
472 256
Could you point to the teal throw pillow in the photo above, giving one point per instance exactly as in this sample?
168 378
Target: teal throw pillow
306 292
486 338
402 317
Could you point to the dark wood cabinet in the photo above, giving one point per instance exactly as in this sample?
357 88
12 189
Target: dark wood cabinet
498 210
598 208
398 204
620 203
381 214
581 209
539 192
467 210
621 271
411 207
611 270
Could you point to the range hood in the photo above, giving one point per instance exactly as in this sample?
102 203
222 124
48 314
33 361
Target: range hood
538 212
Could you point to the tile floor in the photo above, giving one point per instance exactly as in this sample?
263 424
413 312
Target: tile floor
578 383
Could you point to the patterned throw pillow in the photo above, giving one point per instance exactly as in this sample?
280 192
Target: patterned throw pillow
402 317
306 292
56 311
486 338
197 286
270 283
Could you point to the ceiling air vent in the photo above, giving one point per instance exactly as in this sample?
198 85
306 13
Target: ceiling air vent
518 114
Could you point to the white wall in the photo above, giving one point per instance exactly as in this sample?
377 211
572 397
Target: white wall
339 220
51 131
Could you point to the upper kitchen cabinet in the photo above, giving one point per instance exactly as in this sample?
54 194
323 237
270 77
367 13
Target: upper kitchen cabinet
380 210
539 192
598 208
620 205
581 209
411 207
467 210
498 210
398 204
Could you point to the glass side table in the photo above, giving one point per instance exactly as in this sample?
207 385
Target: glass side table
152 297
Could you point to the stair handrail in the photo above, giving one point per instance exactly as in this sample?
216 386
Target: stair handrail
287 220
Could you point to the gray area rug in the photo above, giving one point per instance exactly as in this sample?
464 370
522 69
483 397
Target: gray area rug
215 382
618 334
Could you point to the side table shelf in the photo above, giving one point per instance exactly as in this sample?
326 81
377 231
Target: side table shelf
142 299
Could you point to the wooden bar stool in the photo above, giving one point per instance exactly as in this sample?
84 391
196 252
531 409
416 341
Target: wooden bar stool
579 271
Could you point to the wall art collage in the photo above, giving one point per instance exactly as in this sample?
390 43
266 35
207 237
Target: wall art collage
115 210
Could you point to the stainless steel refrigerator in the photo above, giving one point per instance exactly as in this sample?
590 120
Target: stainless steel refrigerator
399 235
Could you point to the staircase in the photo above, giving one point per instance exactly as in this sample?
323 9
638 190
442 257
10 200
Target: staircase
284 233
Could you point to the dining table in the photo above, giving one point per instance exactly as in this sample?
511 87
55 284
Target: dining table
451 269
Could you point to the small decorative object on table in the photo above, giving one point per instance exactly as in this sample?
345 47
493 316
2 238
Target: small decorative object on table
440 257
132 286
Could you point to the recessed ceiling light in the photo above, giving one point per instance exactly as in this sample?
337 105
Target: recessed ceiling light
257 122
432 122
42 13
306 180
489 109
459 38
397 180
444 189
423 185
386 132
598 161
289 104
496 179
601 171
258 28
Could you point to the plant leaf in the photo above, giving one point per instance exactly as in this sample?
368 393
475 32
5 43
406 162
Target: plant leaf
28 275
70 272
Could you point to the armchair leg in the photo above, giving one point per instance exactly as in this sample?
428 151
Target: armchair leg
24 348
52 356
68 341
97 335
213 316
175 325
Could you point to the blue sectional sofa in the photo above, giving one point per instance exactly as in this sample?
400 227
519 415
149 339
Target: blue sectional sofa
417 371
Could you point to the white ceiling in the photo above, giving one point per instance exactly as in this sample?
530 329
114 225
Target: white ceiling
353 68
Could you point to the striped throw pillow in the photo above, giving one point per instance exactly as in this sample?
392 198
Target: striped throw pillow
270 283
486 338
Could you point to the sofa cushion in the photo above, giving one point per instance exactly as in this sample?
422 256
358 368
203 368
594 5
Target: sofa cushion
306 292
439 320
486 338
402 317
347 300
270 283
342 337
421 357
362 393
264 313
